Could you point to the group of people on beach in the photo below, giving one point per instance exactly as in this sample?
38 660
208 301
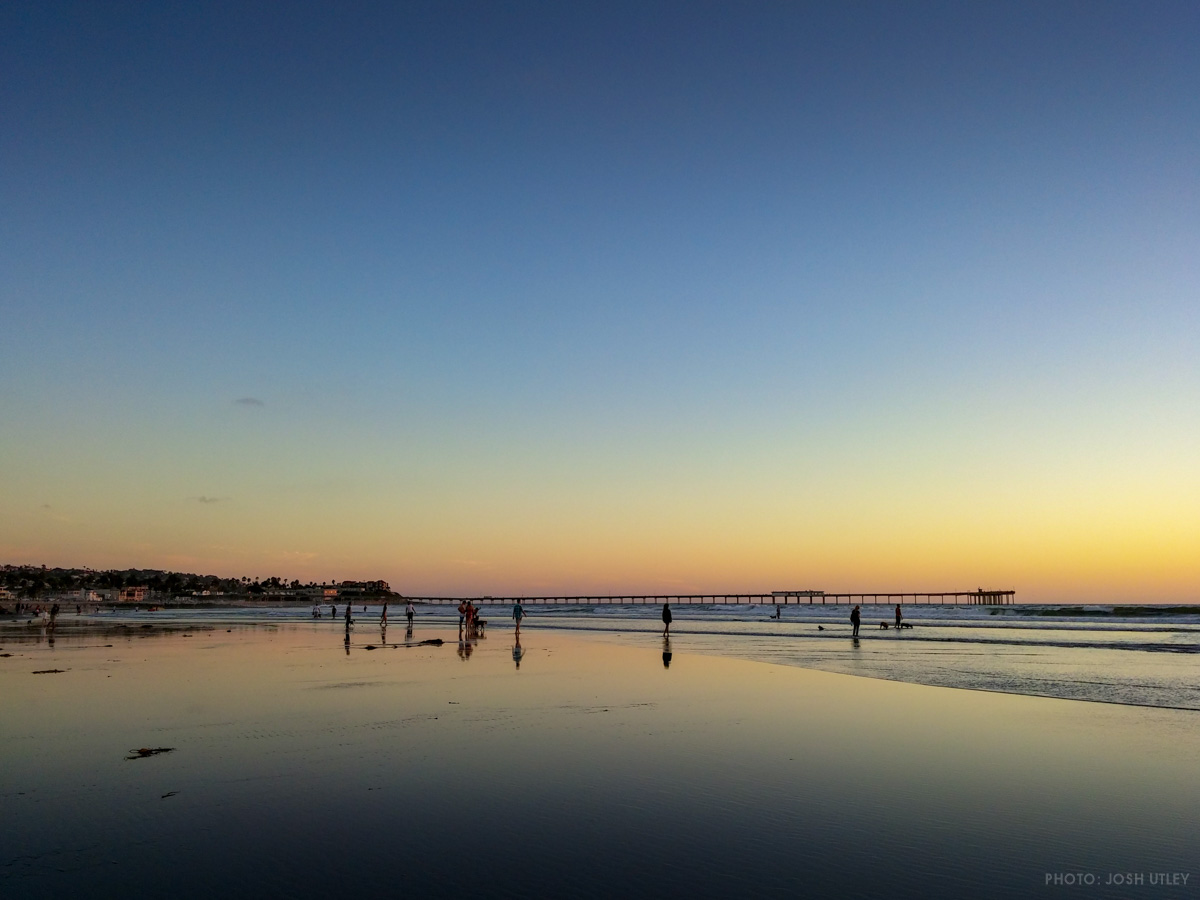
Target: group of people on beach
46 614
409 612
856 619
468 619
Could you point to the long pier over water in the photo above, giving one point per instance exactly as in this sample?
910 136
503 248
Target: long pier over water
808 598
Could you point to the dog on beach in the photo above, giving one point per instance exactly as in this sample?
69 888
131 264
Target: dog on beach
904 625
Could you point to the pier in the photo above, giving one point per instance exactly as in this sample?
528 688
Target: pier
805 598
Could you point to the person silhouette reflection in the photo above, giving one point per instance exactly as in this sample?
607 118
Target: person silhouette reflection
666 652
518 653
465 649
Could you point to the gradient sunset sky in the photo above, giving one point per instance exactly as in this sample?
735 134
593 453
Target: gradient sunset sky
600 297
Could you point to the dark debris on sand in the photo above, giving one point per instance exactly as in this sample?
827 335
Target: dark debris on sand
148 751
49 671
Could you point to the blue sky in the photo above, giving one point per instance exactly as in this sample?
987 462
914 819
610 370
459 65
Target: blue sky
574 283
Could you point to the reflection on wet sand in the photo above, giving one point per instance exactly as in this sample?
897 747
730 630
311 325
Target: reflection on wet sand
517 653
589 755
666 652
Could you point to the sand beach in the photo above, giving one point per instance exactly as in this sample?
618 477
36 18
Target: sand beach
576 765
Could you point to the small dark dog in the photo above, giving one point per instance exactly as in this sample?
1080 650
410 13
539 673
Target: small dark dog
883 626
904 625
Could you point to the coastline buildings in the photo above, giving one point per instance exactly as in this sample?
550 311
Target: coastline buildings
87 587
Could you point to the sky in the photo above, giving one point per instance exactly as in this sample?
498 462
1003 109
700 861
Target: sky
525 298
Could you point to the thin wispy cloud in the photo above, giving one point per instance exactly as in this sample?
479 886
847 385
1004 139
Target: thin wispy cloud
249 401
209 499
297 555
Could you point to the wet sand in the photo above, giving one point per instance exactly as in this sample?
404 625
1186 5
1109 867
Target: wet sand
298 769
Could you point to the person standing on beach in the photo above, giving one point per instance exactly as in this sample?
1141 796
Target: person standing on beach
855 618
383 617
408 611
462 615
348 619
666 619
518 615
898 616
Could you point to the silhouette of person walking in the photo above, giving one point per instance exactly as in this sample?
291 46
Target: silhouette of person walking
898 616
518 614
666 616
855 619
